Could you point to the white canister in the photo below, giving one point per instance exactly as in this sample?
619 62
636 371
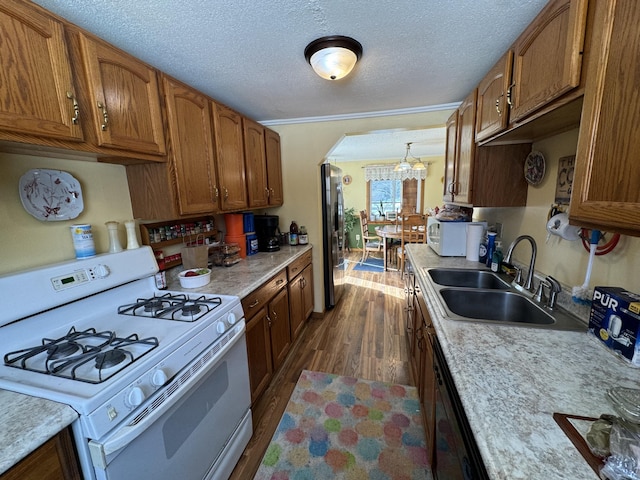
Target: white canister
83 240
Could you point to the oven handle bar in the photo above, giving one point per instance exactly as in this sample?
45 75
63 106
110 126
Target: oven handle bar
125 435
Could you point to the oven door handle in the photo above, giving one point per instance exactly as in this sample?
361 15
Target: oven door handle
123 436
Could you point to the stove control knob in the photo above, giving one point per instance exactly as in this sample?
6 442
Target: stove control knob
231 318
101 271
158 378
220 328
134 397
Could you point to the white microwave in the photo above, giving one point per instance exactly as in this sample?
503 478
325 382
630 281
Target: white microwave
449 239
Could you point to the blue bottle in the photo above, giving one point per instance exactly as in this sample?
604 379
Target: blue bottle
491 247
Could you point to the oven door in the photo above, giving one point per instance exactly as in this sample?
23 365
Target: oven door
188 435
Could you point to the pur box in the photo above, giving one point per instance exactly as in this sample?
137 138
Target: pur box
615 321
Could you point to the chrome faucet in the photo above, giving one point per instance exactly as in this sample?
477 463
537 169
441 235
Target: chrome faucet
534 250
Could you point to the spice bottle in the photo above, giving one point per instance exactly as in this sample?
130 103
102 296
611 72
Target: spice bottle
303 238
293 233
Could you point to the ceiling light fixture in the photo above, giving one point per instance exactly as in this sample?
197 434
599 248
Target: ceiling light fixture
405 165
333 57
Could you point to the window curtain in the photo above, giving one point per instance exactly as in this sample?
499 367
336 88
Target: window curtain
387 172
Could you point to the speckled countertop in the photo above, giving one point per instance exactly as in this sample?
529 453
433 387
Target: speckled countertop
27 422
245 276
512 379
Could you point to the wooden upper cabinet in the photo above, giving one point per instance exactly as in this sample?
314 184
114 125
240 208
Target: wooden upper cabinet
37 91
255 163
606 185
191 147
548 57
492 108
123 97
228 139
451 153
465 149
274 167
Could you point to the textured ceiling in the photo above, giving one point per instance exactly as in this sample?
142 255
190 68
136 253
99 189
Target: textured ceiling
248 54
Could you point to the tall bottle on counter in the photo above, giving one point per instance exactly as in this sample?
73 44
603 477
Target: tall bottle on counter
293 233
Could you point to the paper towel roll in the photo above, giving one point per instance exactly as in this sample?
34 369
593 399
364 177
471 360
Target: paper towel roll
474 235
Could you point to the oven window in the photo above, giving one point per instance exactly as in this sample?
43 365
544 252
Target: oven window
195 408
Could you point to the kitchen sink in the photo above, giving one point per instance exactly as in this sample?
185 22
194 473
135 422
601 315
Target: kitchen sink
485 297
467 278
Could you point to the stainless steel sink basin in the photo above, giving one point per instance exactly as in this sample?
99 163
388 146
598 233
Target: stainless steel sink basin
484 297
467 278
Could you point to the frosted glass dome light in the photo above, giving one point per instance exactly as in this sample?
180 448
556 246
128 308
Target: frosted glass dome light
333 57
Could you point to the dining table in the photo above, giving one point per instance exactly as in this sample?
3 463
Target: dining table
388 233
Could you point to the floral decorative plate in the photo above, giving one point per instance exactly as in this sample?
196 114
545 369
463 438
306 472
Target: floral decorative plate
51 195
534 168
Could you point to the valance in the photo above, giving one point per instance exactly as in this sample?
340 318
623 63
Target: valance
387 172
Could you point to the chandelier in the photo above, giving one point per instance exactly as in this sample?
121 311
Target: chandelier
405 165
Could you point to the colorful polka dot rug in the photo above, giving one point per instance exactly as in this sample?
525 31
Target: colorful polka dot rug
337 427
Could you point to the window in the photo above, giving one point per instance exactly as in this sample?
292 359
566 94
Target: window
390 191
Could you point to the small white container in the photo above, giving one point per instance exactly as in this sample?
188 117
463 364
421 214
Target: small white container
196 280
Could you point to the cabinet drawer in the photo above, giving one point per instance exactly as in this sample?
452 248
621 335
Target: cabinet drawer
298 265
253 302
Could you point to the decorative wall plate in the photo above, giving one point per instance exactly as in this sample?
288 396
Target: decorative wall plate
347 179
51 195
534 168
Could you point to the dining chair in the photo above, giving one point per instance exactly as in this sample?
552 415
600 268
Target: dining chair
370 242
414 230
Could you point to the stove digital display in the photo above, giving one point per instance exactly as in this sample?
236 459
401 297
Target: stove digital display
69 280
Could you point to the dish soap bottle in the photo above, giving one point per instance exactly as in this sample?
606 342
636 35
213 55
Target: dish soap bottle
491 247
496 260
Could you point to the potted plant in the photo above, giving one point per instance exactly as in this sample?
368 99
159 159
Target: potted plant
351 219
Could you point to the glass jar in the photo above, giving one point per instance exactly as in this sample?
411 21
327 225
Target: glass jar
303 238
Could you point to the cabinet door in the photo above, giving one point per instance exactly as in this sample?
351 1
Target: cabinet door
606 186
548 57
280 327
37 92
123 94
255 164
54 460
492 108
307 291
227 126
274 167
427 384
466 149
259 353
191 147
451 152
296 305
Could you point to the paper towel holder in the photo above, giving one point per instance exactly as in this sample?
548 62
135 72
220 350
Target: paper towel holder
559 225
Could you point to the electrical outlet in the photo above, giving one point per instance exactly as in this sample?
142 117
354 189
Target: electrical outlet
498 226
357 238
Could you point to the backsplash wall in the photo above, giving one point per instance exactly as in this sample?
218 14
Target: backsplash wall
564 260
27 242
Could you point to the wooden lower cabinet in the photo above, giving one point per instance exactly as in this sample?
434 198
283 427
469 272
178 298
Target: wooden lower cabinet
422 364
268 331
54 460
300 275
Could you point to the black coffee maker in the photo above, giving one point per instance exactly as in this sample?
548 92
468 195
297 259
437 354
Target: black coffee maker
268 232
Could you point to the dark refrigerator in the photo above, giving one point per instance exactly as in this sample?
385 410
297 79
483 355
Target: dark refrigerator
332 233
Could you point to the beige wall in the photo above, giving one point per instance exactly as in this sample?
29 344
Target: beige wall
27 242
304 147
566 261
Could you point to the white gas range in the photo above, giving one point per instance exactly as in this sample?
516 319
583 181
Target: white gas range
159 379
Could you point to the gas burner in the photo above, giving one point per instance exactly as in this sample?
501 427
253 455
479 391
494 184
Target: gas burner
110 358
87 356
153 305
62 350
190 308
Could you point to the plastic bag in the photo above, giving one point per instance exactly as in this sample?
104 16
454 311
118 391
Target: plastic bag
624 461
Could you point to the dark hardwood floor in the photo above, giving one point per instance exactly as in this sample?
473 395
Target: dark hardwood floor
363 336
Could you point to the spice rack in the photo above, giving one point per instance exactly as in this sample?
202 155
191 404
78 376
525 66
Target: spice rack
159 235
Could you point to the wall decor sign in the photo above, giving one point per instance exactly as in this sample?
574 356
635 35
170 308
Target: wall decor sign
564 183
51 195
